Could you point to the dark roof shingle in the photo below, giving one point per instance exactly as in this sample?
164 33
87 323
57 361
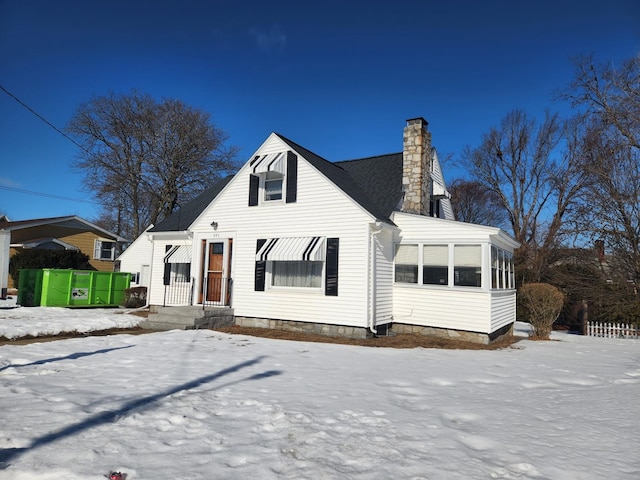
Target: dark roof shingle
375 183
370 182
185 216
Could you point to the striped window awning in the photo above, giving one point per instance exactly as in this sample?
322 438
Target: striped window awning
273 162
178 254
292 249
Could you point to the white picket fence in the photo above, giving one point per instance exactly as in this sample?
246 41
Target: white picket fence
611 330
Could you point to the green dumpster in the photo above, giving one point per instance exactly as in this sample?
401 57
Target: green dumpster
71 288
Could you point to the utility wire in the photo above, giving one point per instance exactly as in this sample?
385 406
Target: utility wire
40 117
41 194
49 195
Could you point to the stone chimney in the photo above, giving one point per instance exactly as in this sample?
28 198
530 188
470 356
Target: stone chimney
416 167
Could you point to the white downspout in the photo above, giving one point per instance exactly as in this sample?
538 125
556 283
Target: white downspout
372 278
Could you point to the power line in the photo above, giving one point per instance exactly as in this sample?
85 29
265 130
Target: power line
48 195
40 117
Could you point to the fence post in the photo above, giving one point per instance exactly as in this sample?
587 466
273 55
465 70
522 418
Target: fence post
585 317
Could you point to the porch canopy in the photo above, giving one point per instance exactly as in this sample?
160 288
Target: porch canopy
292 249
273 162
178 254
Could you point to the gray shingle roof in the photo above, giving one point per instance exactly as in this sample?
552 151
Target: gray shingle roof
375 183
185 216
380 178
367 187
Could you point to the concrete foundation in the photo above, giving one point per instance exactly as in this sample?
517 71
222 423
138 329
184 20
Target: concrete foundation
304 327
474 337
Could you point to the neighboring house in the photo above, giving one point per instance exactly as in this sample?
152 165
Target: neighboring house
5 240
352 248
65 233
136 259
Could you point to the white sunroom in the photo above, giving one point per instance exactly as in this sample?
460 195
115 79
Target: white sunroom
452 278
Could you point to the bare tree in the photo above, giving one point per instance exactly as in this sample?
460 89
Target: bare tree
142 158
608 99
473 203
521 162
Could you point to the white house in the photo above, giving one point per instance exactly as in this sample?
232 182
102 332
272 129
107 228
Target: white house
136 259
353 248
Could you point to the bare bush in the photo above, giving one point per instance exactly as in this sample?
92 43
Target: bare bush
543 303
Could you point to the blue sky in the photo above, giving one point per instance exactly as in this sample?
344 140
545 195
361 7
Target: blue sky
338 77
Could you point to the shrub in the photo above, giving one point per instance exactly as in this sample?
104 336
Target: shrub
135 297
36 259
543 303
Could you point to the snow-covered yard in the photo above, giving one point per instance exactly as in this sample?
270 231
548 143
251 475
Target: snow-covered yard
206 405
49 321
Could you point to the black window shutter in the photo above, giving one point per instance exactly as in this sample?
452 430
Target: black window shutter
292 177
260 268
166 279
331 280
254 183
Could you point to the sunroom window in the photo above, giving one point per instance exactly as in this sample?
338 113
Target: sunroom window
502 274
467 266
406 269
494 267
435 265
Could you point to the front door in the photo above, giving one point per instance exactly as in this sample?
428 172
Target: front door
216 272
214 276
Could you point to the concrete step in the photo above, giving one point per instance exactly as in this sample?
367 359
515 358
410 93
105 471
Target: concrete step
187 312
163 326
188 318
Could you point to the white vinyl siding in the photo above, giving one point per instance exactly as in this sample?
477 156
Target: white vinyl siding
156 292
321 209
136 259
468 309
383 278
503 309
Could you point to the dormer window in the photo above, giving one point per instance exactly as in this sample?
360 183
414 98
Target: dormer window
273 178
273 186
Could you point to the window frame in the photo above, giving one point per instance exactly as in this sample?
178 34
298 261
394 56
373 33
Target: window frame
317 276
276 177
407 269
98 249
463 273
495 268
502 269
446 266
180 272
